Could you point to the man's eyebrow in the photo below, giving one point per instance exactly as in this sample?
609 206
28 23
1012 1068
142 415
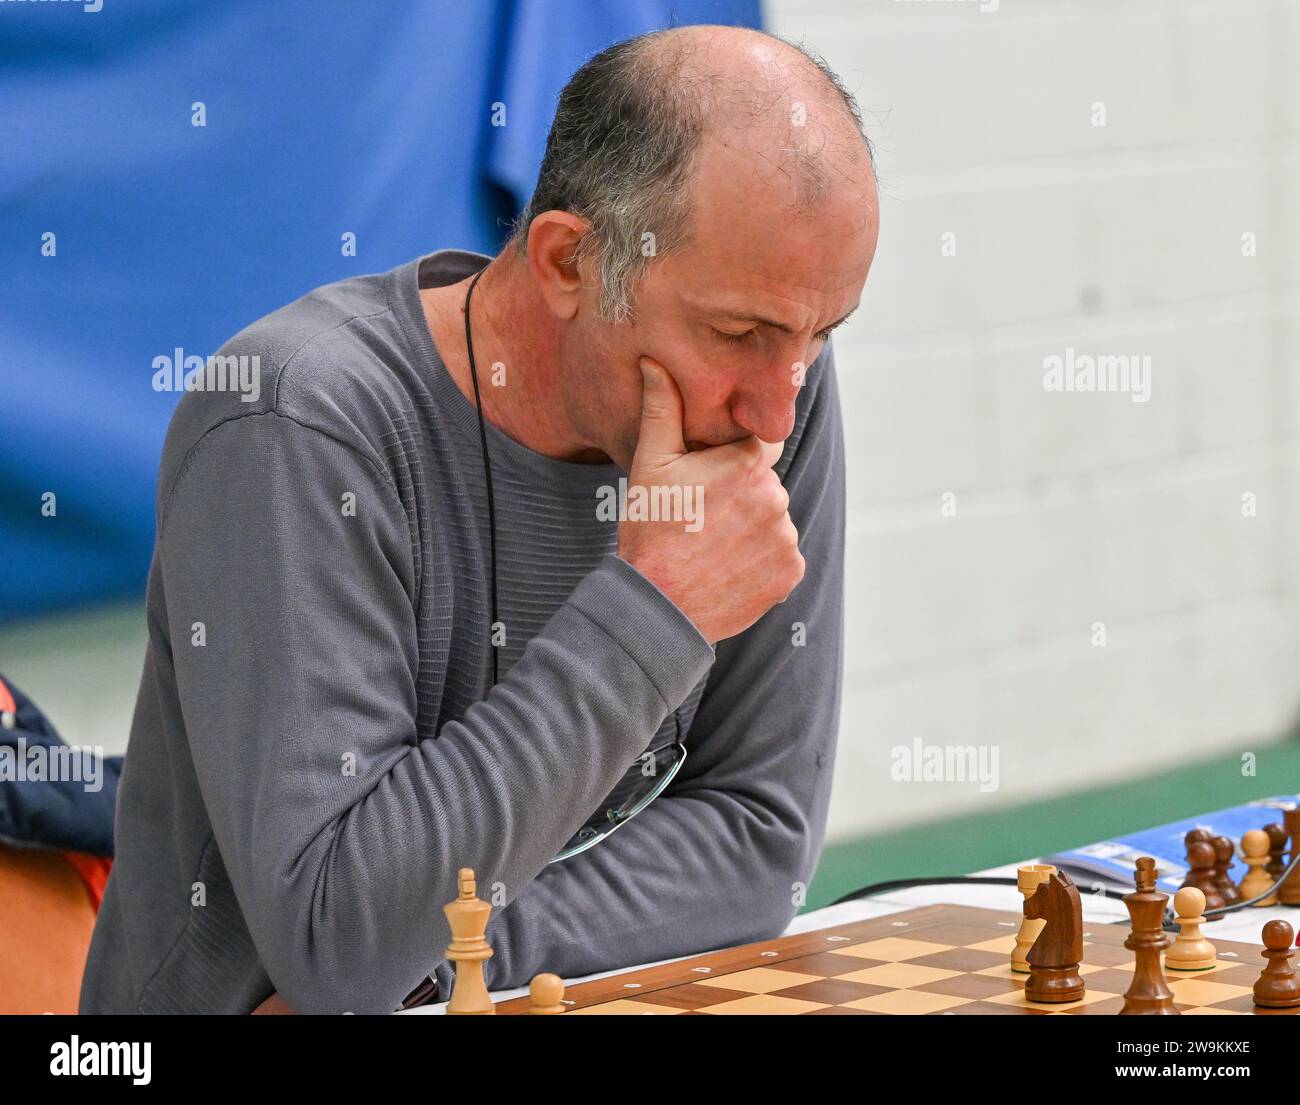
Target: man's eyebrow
745 316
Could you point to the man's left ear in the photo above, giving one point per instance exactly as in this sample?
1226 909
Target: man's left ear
553 240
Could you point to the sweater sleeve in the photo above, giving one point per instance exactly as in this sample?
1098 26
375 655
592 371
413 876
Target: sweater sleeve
288 570
722 857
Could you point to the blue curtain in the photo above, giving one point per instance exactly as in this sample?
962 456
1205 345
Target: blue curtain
127 232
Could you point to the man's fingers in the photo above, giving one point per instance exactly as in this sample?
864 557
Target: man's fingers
772 451
661 439
762 454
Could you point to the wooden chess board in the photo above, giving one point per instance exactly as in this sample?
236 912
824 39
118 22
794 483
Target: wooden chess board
941 959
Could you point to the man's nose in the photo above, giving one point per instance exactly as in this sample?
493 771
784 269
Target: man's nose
767 411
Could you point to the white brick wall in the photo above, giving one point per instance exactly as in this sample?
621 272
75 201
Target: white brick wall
1071 508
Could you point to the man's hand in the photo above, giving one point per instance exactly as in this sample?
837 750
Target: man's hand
745 557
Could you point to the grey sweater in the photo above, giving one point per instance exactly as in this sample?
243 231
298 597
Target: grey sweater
317 748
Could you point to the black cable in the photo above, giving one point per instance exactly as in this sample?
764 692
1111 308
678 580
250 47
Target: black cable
1006 880
903 884
491 498
1233 907
487 471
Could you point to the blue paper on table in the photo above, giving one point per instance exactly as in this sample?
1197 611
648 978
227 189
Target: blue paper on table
1113 861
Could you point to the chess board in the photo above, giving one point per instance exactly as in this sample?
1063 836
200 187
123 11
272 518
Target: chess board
938 960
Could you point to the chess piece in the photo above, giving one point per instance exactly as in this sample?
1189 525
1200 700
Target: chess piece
469 949
547 992
1254 850
1224 853
1054 959
1196 836
1289 892
1276 849
1149 994
1028 879
1200 860
1191 951
1277 986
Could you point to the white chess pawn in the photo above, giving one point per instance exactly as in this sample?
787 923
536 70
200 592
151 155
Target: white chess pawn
1190 951
1254 848
547 993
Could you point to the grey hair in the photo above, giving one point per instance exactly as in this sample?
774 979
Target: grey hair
620 154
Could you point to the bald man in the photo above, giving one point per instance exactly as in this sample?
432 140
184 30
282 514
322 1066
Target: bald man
390 638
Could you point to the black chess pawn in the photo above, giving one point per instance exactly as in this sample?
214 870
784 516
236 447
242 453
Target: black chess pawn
1289 892
1201 874
1224 853
1276 850
1278 987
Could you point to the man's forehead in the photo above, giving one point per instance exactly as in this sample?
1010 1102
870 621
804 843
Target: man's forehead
752 253
751 214
777 281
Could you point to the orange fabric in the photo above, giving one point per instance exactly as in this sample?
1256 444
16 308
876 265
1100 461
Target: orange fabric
7 703
275 1005
47 919
94 873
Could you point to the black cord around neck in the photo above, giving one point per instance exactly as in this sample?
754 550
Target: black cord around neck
487 471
